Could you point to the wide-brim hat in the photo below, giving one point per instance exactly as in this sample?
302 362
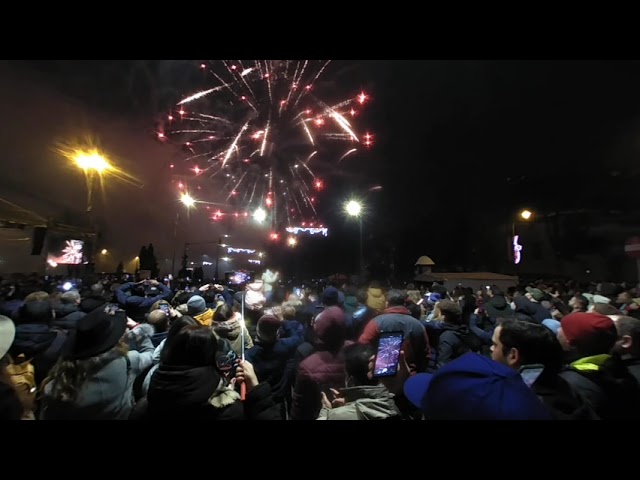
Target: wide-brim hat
7 334
94 334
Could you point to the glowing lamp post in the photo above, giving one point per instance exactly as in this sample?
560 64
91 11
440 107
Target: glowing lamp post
514 244
353 208
92 163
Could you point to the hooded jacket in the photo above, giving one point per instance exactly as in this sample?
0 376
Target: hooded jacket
497 307
454 341
254 297
376 300
200 393
322 369
398 319
606 385
67 316
205 318
40 343
231 331
367 402
108 394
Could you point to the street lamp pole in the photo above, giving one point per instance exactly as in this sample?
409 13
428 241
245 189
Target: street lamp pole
218 259
361 249
175 241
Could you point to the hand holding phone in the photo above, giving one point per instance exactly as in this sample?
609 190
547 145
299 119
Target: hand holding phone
388 354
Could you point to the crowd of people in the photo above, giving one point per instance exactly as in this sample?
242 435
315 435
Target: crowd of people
145 350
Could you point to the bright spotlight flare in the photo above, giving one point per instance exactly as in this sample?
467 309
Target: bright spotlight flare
256 124
353 208
91 160
260 215
187 200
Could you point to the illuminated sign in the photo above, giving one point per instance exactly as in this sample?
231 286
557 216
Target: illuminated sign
257 262
240 250
309 230
517 250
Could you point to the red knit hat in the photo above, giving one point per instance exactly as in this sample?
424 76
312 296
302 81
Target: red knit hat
579 325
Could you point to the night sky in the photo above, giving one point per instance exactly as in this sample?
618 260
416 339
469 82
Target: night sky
460 146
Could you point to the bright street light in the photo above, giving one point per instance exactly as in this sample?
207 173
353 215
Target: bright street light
91 160
353 208
104 251
292 242
526 214
260 215
187 200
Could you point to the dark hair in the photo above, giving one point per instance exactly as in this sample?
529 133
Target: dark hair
395 297
606 309
97 289
192 346
223 313
629 326
496 291
177 325
451 311
356 362
535 343
583 302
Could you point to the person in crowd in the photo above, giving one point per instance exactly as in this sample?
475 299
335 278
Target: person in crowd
36 338
137 298
197 308
535 352
627 347
94 377
159 320
396 318
599 378
228 324
97 298
10 406
375 297
324 368
455 338
496 306
68 312
362 398
474 387
189 386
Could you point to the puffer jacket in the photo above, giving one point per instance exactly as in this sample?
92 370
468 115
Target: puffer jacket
107 394
368 402
323 369
231 331
376 299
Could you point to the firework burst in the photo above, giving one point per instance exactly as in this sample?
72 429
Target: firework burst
262 129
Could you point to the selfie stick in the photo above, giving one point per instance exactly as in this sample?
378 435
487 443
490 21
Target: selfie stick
243 386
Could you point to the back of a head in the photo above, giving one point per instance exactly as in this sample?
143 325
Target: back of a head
375 284
159 320
630 326
38 296
97 290
356 363
589 333
395 298
192 346
223 313
288 312
330 327
496 291
606 309
36 312
451 311
69 298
